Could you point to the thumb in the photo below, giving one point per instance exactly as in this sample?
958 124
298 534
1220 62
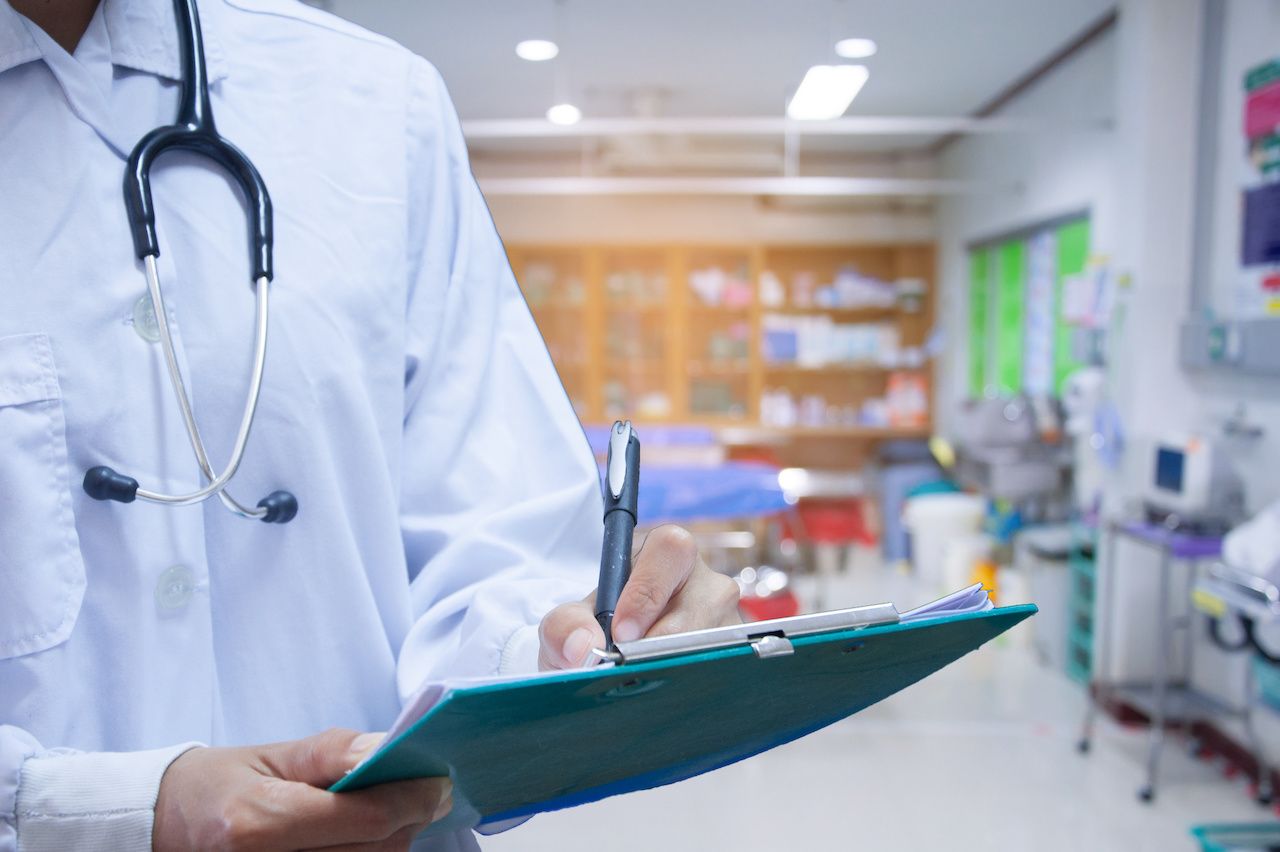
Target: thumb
567 635
322 759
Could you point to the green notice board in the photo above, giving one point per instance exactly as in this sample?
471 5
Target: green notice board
1073 254
1011 278
979 272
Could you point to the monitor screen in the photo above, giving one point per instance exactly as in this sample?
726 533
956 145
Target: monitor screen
1169 466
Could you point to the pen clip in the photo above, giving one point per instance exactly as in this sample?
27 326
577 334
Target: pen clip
619 437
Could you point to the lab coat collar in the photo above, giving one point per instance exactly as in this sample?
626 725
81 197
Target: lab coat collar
143 37
16 46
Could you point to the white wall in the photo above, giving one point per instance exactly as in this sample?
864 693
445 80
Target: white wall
1057 173
1251 36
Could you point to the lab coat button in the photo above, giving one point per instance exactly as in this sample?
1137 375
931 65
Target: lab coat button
174 588
144 319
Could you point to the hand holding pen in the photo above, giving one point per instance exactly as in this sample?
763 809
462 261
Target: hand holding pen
668 589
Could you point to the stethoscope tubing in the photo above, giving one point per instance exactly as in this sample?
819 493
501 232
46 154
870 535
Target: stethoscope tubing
217 482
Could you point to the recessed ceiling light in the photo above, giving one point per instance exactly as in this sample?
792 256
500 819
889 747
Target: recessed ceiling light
564 114
855 48
826 91
537 50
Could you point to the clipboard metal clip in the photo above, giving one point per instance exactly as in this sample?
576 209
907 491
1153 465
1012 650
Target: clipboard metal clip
768 639
772 646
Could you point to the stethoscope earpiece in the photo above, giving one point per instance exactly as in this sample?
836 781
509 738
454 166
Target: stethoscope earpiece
103 483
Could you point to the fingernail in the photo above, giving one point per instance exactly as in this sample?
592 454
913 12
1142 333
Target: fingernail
446 804
577 646
364 744
626 631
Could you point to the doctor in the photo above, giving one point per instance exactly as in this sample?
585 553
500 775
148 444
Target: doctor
184 677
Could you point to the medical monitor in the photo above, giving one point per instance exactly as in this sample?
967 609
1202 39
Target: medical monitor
1171 464
1191 477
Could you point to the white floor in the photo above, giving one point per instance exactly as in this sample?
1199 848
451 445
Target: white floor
979 756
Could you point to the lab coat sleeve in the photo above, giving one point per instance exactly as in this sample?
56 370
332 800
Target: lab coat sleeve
54 799
500 501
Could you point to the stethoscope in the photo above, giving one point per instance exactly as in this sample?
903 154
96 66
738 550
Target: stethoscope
194 131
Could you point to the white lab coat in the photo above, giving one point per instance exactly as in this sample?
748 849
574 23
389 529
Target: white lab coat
447 496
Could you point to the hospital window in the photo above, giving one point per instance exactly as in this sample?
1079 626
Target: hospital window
1018 340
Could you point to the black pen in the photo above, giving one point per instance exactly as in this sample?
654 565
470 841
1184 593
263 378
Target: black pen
621 493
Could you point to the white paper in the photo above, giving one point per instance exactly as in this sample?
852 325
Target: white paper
972 599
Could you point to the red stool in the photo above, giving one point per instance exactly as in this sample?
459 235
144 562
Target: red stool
832 526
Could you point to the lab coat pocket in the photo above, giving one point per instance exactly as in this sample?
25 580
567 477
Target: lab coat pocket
41 571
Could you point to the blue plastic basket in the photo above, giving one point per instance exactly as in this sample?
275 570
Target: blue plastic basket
1238 838
1268 677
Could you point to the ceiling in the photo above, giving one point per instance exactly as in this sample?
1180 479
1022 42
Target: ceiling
723 57
717 58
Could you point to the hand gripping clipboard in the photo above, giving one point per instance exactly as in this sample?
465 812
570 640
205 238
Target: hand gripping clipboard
669 708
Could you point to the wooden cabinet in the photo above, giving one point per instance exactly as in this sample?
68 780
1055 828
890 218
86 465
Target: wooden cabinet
701 334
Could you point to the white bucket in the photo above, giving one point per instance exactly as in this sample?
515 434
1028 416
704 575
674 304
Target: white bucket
962 554
934 521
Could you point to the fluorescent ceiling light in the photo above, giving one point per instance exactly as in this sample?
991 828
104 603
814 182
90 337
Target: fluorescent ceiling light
826 91
564 114
855 48
537 50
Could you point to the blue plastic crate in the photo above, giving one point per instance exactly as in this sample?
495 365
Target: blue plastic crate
1268 677
1238 838
1080 659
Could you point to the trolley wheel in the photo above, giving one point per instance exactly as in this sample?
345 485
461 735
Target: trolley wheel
1147 794
1083 745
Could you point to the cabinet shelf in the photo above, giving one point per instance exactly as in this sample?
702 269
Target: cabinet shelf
868 314
839 369
715 369
864 432
763 434
586 312
556 308
737 311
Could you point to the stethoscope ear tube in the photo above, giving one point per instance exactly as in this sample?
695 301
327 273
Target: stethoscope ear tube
141 208
195 131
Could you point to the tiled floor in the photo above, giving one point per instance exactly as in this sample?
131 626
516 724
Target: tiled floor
979 756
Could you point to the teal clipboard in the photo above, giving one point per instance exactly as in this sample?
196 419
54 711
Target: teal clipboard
523 747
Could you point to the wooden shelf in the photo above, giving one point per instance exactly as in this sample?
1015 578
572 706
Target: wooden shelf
635 366
556 308
747 436
717 369
840 314
638 308
676 332
865 432
744 432
839 369
721 310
